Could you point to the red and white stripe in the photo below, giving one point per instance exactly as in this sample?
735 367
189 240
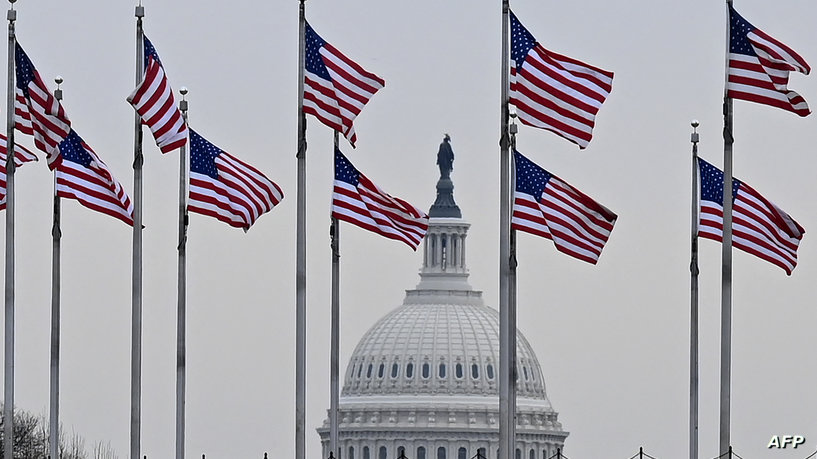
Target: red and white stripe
21 156
239 196
759 227
559 94
337 102
371 208
577 225
763 79
153 100
94 187
41 115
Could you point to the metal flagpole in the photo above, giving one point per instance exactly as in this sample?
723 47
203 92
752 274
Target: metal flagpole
136 289
693 320
56 235
506 343
181 317
513 129
334 384
8 380
300 263
726 257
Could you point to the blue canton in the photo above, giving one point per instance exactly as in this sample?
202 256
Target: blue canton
712 183
345 171
313 60
150 51
203 156
521 42
72 150
740 28
25 70
530 178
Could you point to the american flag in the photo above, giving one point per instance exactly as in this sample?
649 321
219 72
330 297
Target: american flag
759 67
153 100
555 92
547 206
335 87
37 111
360 202
81 175
758 226
21 156
226 188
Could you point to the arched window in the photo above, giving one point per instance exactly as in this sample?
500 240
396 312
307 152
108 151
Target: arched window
369 372
458 370
481 453
382 453
489 370
421 452
474 371
401 451
441 452
532 454
426 370
381 370
518 453
441 373
462 453
409 370
351 452
359 370
366 452
394 370
525 370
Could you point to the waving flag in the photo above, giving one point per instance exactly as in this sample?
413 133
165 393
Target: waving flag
555 92
226 188
335 87
37 111
546 206
21 156
360 202
759 67
81 175
759 227
153 100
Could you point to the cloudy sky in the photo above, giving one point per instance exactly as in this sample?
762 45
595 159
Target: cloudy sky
613 339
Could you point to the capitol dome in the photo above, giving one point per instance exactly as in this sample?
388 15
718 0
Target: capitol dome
424 382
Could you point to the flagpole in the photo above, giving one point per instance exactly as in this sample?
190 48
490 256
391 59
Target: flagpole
726 257
512 291
693 319
181 317
56 235
8 380
300 263
334 402
506 332
136 288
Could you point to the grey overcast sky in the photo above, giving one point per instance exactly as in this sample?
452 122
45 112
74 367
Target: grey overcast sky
613 339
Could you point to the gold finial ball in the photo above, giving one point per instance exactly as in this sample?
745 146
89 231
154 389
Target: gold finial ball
58 79
695 123
12 1
183 90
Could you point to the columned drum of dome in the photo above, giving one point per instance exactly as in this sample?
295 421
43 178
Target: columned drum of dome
424 379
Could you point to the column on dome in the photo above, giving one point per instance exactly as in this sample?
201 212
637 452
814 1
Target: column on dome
439 252
462 250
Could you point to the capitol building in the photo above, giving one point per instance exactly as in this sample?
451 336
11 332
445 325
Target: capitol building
423 381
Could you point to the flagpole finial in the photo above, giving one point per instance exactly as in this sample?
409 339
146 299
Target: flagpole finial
513 128
58 79
694 137
183 103
58 92
140 11
183 91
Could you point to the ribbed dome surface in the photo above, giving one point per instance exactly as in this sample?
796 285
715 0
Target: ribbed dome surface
450 349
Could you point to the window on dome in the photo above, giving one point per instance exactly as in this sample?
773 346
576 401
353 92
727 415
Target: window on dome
518 453
441 373
441 452
490 371
369 372
366 452
382 454
351 452
426 370
458 371
532 454
525 370
481 454
462 453
394 370
381 370
401 451
421 452
359 370
474 371
409 370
